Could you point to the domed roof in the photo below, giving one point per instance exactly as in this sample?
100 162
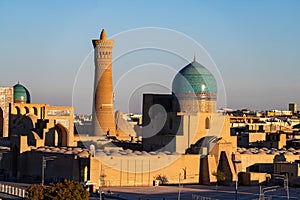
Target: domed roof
21 94
194 78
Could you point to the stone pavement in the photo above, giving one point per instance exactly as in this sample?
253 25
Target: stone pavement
187 192
8 197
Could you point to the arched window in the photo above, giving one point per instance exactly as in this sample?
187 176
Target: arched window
35 111
26 110
18 110
207 123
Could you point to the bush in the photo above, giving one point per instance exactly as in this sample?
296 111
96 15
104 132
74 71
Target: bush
220 176
35 192
162 179
67 190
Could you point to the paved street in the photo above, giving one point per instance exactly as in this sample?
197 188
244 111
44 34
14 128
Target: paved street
188 192
8 197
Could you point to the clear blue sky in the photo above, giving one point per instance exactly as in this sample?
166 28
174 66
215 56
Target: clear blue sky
255 43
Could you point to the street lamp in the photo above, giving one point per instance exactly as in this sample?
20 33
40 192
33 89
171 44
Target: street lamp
179 185
102 176
236 180
44 163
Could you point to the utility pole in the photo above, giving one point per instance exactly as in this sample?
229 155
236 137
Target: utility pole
236 180
179 186
43 170
100 181
261 196
287 187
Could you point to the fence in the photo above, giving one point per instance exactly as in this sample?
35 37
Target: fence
8 189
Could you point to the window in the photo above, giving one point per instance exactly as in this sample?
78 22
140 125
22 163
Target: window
26 110
18 110
207 123
35 111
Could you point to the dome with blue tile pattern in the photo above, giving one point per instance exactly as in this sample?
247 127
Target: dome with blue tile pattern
194 78
21 94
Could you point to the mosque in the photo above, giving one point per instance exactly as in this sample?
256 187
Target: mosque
184 138
191 125
190 114
44 125
179 129
26 126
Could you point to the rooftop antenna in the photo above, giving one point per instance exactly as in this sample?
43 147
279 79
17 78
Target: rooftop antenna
194 56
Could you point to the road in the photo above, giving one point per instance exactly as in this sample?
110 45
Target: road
8 197
188 192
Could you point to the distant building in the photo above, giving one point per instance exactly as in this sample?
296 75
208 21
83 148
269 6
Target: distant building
293 108
288 169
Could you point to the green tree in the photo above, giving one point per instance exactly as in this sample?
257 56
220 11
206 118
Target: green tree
162 179
35 192
221 178
65 190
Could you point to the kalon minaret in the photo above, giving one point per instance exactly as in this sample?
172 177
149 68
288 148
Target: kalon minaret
103 107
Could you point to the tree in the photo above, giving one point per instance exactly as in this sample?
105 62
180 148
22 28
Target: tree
35 192
66 190
162 179
221 178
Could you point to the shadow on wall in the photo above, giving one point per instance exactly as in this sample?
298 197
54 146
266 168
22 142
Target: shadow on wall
56 136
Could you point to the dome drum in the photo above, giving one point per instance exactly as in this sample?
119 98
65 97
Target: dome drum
196 96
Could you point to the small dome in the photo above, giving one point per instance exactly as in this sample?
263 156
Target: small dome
194 78
21 94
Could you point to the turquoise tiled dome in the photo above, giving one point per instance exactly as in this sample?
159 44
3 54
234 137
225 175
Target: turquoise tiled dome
21 94
194 78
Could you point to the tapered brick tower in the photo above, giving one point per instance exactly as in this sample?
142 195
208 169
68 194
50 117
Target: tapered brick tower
103 107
